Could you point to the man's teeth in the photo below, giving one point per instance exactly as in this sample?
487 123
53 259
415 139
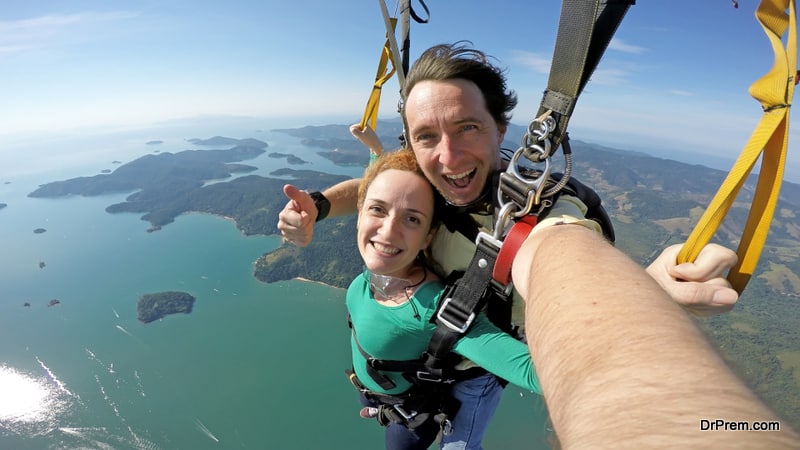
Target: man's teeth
460 180
459 176
384 249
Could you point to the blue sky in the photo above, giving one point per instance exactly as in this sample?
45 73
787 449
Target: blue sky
675 77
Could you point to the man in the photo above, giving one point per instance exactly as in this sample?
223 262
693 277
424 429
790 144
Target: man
456 110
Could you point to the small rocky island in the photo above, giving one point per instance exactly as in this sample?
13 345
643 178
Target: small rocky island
39 230
155 306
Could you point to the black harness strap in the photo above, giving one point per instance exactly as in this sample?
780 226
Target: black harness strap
584 32
459 306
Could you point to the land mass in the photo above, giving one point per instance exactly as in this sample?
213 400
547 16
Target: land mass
156 306
291 159
3 205
337 145
653 202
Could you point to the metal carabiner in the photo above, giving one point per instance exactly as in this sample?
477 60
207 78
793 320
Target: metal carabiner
533 186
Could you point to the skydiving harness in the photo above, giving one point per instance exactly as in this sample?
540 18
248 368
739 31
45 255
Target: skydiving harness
525 191
486 284
524 194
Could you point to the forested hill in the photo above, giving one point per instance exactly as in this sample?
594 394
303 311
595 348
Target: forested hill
653 202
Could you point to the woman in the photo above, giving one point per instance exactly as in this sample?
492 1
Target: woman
392 302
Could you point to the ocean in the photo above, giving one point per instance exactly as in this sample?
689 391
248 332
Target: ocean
254 366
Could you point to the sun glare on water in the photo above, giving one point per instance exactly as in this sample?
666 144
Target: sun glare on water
26 401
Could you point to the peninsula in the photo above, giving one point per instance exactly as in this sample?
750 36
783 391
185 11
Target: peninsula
152 307
652 201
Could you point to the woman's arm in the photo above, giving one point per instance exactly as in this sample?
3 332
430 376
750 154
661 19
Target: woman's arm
499 353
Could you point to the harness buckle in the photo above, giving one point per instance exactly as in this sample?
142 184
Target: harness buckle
449 322
406 415
447 427
428 376
488 240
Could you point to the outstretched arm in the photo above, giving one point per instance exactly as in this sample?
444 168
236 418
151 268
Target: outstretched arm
619 362
296 220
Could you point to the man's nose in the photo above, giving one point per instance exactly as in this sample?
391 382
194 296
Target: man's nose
448 150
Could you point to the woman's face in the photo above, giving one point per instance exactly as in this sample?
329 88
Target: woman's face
394 223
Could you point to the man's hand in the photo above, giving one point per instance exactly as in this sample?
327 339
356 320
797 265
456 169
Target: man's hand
296 220
701 286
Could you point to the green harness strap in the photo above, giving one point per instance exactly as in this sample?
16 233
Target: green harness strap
584 32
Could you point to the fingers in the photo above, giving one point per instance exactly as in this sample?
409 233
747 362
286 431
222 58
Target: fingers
296 220
355 129
713 261
701 286
710 298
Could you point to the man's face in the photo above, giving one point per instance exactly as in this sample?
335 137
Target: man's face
455 139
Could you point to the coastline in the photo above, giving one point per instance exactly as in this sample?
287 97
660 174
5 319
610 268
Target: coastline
318 282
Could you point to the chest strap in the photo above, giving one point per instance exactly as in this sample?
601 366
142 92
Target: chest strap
488 274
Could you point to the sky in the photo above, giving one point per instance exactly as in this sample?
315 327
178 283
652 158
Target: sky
675 78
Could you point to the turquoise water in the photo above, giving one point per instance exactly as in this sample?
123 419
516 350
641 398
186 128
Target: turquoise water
254 366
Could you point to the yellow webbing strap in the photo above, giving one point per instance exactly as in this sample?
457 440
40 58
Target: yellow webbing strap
381 77
774 91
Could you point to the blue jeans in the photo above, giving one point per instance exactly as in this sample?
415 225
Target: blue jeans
398 437
479 399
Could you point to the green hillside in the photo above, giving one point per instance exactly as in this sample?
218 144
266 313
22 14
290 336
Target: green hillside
653 202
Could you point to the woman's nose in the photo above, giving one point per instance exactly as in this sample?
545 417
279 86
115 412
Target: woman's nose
387 226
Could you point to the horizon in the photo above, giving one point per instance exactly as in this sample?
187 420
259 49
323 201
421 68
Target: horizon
27 142
669 80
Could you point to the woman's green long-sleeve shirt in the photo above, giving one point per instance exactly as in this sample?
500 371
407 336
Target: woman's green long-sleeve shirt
402 333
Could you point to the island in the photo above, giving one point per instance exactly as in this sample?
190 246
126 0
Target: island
222 140
39 230
54 302
42 264
291 159
166 186
155 142
155 306
652 202
341 148
3 205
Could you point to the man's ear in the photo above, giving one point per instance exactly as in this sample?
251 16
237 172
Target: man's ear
501 134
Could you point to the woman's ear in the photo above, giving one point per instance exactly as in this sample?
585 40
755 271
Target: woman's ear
429 237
